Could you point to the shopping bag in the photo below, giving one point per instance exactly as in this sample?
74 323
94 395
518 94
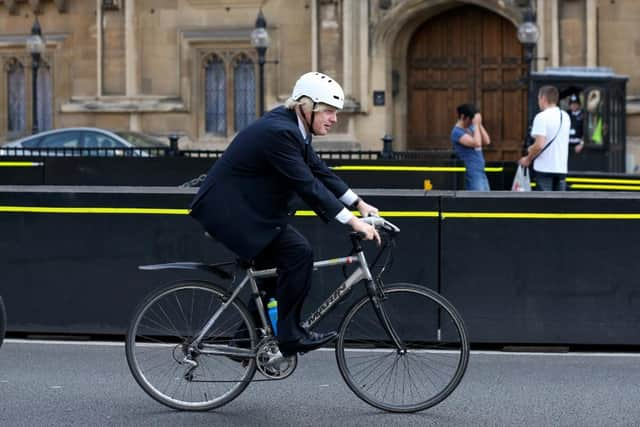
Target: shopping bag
522 180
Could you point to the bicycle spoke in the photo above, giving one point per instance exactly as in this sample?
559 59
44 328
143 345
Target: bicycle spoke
172 371
420 374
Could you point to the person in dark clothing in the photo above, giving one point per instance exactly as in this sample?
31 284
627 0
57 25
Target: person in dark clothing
577 124
245 199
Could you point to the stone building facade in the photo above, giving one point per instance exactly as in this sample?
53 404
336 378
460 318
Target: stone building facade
187 66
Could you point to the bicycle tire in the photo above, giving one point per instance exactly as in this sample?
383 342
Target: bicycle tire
436 357
3 321
163 326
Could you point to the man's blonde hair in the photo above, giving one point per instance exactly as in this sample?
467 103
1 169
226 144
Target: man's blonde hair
306 103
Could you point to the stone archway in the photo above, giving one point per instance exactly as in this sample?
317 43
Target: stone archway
466 54
394 31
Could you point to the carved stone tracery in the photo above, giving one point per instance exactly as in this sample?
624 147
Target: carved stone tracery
11 63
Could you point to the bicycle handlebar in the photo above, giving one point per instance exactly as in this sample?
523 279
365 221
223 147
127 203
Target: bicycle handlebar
380 222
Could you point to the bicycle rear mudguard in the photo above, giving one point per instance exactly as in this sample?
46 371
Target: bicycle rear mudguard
215 269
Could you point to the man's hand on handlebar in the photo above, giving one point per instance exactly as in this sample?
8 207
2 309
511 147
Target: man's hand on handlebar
366 209
368 231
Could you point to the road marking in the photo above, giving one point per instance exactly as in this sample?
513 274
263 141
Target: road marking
473 352
61 342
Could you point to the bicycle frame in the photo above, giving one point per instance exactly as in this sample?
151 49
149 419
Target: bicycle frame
361 273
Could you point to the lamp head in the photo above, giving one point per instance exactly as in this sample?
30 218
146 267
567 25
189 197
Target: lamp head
260 36
528 31
35 42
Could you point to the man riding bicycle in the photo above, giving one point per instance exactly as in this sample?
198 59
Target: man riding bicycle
245 200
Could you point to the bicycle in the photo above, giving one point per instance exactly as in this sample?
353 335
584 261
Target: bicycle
193 345
3 321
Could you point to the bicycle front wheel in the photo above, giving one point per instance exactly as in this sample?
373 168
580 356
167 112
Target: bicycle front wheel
424 370
169 368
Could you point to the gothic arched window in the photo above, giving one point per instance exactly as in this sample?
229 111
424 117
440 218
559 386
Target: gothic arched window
16 112
215 96
244 92
44 98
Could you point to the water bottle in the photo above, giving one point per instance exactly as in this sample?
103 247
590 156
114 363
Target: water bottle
272 305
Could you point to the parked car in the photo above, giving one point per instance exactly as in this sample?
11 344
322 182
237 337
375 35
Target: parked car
85 141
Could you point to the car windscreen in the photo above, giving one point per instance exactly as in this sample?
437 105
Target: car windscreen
141 140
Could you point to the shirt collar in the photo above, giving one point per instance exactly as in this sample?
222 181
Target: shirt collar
303 131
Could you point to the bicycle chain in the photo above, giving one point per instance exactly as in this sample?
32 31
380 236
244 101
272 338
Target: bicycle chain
195 182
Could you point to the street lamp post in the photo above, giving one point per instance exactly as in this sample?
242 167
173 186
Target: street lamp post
36 47
260 41
528 34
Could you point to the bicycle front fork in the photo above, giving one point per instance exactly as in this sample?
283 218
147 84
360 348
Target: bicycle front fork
377 299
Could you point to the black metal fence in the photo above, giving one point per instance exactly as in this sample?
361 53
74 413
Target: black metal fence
430 155
85 152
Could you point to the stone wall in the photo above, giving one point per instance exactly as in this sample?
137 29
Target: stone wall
140 65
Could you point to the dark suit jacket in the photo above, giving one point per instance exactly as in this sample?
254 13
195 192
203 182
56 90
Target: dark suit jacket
244 201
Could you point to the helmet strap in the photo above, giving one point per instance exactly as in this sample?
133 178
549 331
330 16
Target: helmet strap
313 114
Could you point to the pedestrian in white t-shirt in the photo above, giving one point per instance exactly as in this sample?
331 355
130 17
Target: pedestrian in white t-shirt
551 148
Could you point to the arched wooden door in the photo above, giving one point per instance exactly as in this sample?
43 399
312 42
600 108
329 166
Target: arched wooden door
467 54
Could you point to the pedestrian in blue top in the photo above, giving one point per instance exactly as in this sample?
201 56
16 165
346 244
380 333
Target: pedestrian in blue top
468 136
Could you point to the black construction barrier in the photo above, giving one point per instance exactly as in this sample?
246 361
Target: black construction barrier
71 254
185 170
546 268
174 171
543 267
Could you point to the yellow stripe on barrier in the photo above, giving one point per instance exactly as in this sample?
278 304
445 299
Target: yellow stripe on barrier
154 211
410 168
604 181
387 214
538 215
20 164
604 187
87 210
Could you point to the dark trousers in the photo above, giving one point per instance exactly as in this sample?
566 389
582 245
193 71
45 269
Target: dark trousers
292 255
550 181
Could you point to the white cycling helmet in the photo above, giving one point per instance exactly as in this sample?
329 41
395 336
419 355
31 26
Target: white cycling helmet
320 88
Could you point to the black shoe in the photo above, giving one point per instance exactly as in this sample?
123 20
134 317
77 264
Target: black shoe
312 341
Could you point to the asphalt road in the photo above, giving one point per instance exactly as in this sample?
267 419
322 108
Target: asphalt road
89 384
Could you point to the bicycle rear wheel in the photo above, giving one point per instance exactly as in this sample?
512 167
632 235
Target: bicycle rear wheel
3 321
161 357
422 373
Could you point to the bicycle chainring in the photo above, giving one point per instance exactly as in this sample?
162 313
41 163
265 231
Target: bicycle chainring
271 363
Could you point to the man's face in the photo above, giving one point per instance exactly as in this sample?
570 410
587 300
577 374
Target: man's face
574 106
323 121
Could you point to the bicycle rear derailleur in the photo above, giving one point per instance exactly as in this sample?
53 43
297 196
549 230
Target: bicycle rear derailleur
271 363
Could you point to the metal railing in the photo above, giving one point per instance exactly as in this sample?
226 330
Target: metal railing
84 152
215 154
